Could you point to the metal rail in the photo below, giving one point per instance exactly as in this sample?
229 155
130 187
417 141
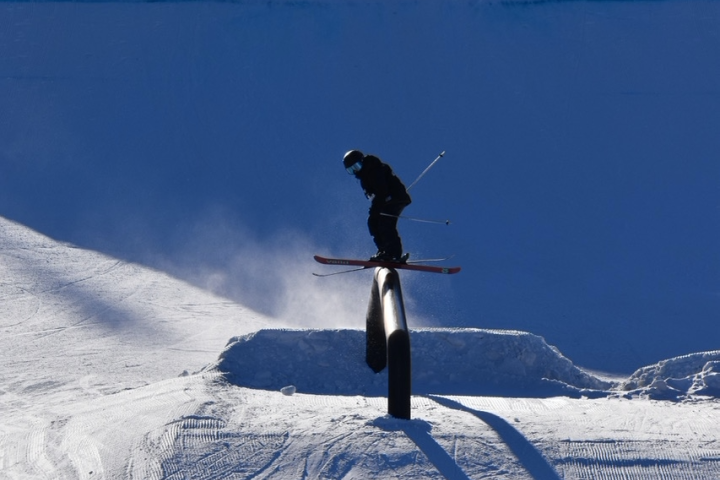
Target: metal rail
388 339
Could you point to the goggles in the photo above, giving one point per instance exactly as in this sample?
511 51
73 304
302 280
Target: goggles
354 168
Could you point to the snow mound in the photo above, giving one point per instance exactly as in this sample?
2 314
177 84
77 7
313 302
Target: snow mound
696 374
445 361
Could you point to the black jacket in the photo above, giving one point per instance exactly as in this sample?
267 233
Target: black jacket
380 183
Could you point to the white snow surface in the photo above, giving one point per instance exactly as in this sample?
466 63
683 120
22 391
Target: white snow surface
694 374
113 370
445 361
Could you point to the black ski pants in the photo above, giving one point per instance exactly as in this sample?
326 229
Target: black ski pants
382 223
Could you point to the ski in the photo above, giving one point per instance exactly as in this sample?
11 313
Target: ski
340 272
430 260
370 264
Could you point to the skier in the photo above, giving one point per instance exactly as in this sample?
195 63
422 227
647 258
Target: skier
389 197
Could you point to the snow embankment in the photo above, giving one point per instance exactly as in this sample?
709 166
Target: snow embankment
445 361
465 361
697 374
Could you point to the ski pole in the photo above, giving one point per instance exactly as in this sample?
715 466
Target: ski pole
438 222
426 170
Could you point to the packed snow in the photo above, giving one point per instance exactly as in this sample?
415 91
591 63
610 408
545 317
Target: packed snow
445 361
114 370
697 374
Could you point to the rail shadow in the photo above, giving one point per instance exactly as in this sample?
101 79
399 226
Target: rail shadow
419 432
526 453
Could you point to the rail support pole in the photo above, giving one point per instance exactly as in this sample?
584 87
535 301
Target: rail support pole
388 339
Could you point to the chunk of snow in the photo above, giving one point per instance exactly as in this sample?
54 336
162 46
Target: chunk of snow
289 390
677 378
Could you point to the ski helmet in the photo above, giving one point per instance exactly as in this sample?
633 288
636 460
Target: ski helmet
351 158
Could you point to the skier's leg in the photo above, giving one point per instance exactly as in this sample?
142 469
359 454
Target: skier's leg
375 227
388 225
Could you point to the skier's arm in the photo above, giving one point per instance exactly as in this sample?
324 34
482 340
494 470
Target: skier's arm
375 181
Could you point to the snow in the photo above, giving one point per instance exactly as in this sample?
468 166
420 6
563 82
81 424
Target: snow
679 377
445 361
113 370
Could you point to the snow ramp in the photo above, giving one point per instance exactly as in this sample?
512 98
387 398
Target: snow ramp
444 361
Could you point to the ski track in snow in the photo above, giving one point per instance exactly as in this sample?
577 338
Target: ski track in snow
91 349
310 436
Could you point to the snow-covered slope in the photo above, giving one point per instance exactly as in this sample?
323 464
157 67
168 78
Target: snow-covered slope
96 372
78 327
261 434
112 325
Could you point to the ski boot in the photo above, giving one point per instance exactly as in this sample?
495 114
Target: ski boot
386 257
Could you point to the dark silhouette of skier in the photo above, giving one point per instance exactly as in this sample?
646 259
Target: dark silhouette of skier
389 197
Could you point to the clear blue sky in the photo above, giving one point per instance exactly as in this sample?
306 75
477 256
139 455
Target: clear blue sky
582 173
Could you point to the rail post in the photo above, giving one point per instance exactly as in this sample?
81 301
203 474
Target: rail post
388 339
